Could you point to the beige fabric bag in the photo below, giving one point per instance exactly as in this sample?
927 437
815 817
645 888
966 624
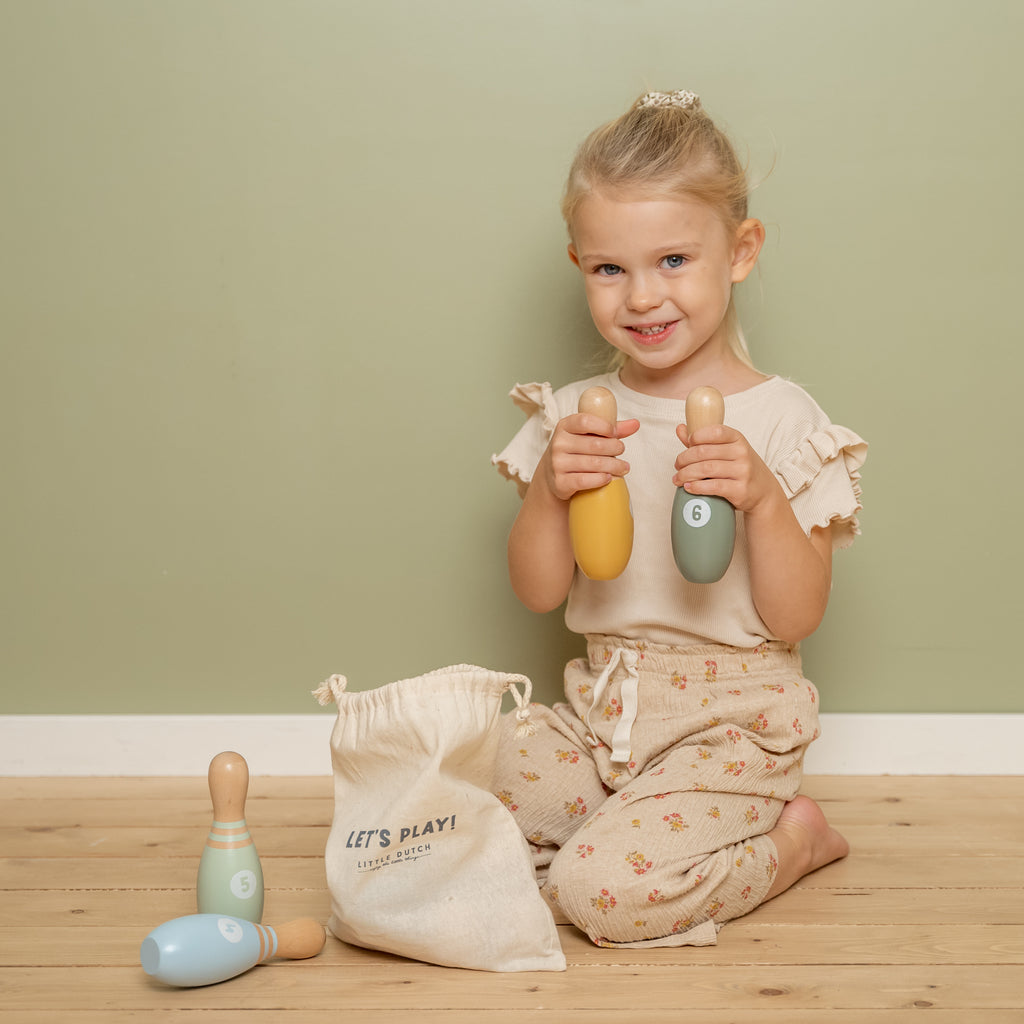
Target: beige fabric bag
422 859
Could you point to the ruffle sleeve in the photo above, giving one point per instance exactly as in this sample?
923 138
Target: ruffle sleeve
821 478
519 458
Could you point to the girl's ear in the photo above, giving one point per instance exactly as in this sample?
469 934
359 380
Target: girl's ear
749 239
573 256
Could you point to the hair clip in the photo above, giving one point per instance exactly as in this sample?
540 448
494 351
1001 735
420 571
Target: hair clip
680 98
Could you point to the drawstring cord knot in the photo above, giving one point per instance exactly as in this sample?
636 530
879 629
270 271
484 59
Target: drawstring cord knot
329 689
525 727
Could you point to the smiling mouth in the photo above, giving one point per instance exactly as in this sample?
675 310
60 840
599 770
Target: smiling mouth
652 331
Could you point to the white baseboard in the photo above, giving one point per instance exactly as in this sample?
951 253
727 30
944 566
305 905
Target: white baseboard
129 745
162 744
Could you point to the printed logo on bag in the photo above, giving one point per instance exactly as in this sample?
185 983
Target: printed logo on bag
382 838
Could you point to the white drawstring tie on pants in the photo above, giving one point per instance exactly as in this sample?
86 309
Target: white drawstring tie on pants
629 661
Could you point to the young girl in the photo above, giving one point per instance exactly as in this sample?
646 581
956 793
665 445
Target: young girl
662 798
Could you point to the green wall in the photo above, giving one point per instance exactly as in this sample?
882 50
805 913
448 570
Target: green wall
271 266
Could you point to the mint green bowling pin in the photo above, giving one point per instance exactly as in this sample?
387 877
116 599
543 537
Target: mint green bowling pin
230 878
703 525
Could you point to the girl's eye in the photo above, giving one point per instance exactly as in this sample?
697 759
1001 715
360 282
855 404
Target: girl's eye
607 270
673 262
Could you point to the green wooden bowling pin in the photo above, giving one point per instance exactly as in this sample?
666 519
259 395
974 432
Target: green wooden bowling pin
703 526
230 877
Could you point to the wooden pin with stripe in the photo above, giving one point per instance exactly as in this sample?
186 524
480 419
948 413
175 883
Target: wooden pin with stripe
230 879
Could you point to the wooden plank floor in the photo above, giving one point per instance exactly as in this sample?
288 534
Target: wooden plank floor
926 914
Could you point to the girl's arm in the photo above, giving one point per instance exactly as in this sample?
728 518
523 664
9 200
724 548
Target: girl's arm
790 573
582 454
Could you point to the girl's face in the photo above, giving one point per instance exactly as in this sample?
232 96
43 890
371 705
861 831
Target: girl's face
658 275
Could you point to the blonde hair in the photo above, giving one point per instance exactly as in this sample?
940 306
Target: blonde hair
664 146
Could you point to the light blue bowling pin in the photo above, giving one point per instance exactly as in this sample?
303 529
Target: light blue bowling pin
202 949
230 879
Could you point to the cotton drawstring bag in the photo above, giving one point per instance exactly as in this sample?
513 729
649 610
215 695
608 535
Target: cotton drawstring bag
422 859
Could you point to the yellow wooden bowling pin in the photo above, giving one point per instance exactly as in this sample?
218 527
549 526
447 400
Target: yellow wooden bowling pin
703 526
600 520
230 878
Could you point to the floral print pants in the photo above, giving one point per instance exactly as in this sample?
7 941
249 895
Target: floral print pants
648 795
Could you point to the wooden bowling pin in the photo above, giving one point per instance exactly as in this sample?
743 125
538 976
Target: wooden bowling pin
600 520
230 878
202 949
703 526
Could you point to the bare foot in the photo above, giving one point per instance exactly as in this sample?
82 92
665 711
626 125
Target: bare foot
805 842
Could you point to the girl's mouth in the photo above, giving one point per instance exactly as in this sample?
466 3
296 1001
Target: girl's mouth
650 334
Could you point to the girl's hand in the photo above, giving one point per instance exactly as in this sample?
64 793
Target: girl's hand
584 454
719 460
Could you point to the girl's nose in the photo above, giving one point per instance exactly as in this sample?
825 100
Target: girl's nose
644 294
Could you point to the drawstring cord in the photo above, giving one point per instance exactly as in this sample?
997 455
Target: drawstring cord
334 687
329 690
525 727
629 660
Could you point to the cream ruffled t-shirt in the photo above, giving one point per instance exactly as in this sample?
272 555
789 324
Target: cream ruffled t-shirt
816 462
